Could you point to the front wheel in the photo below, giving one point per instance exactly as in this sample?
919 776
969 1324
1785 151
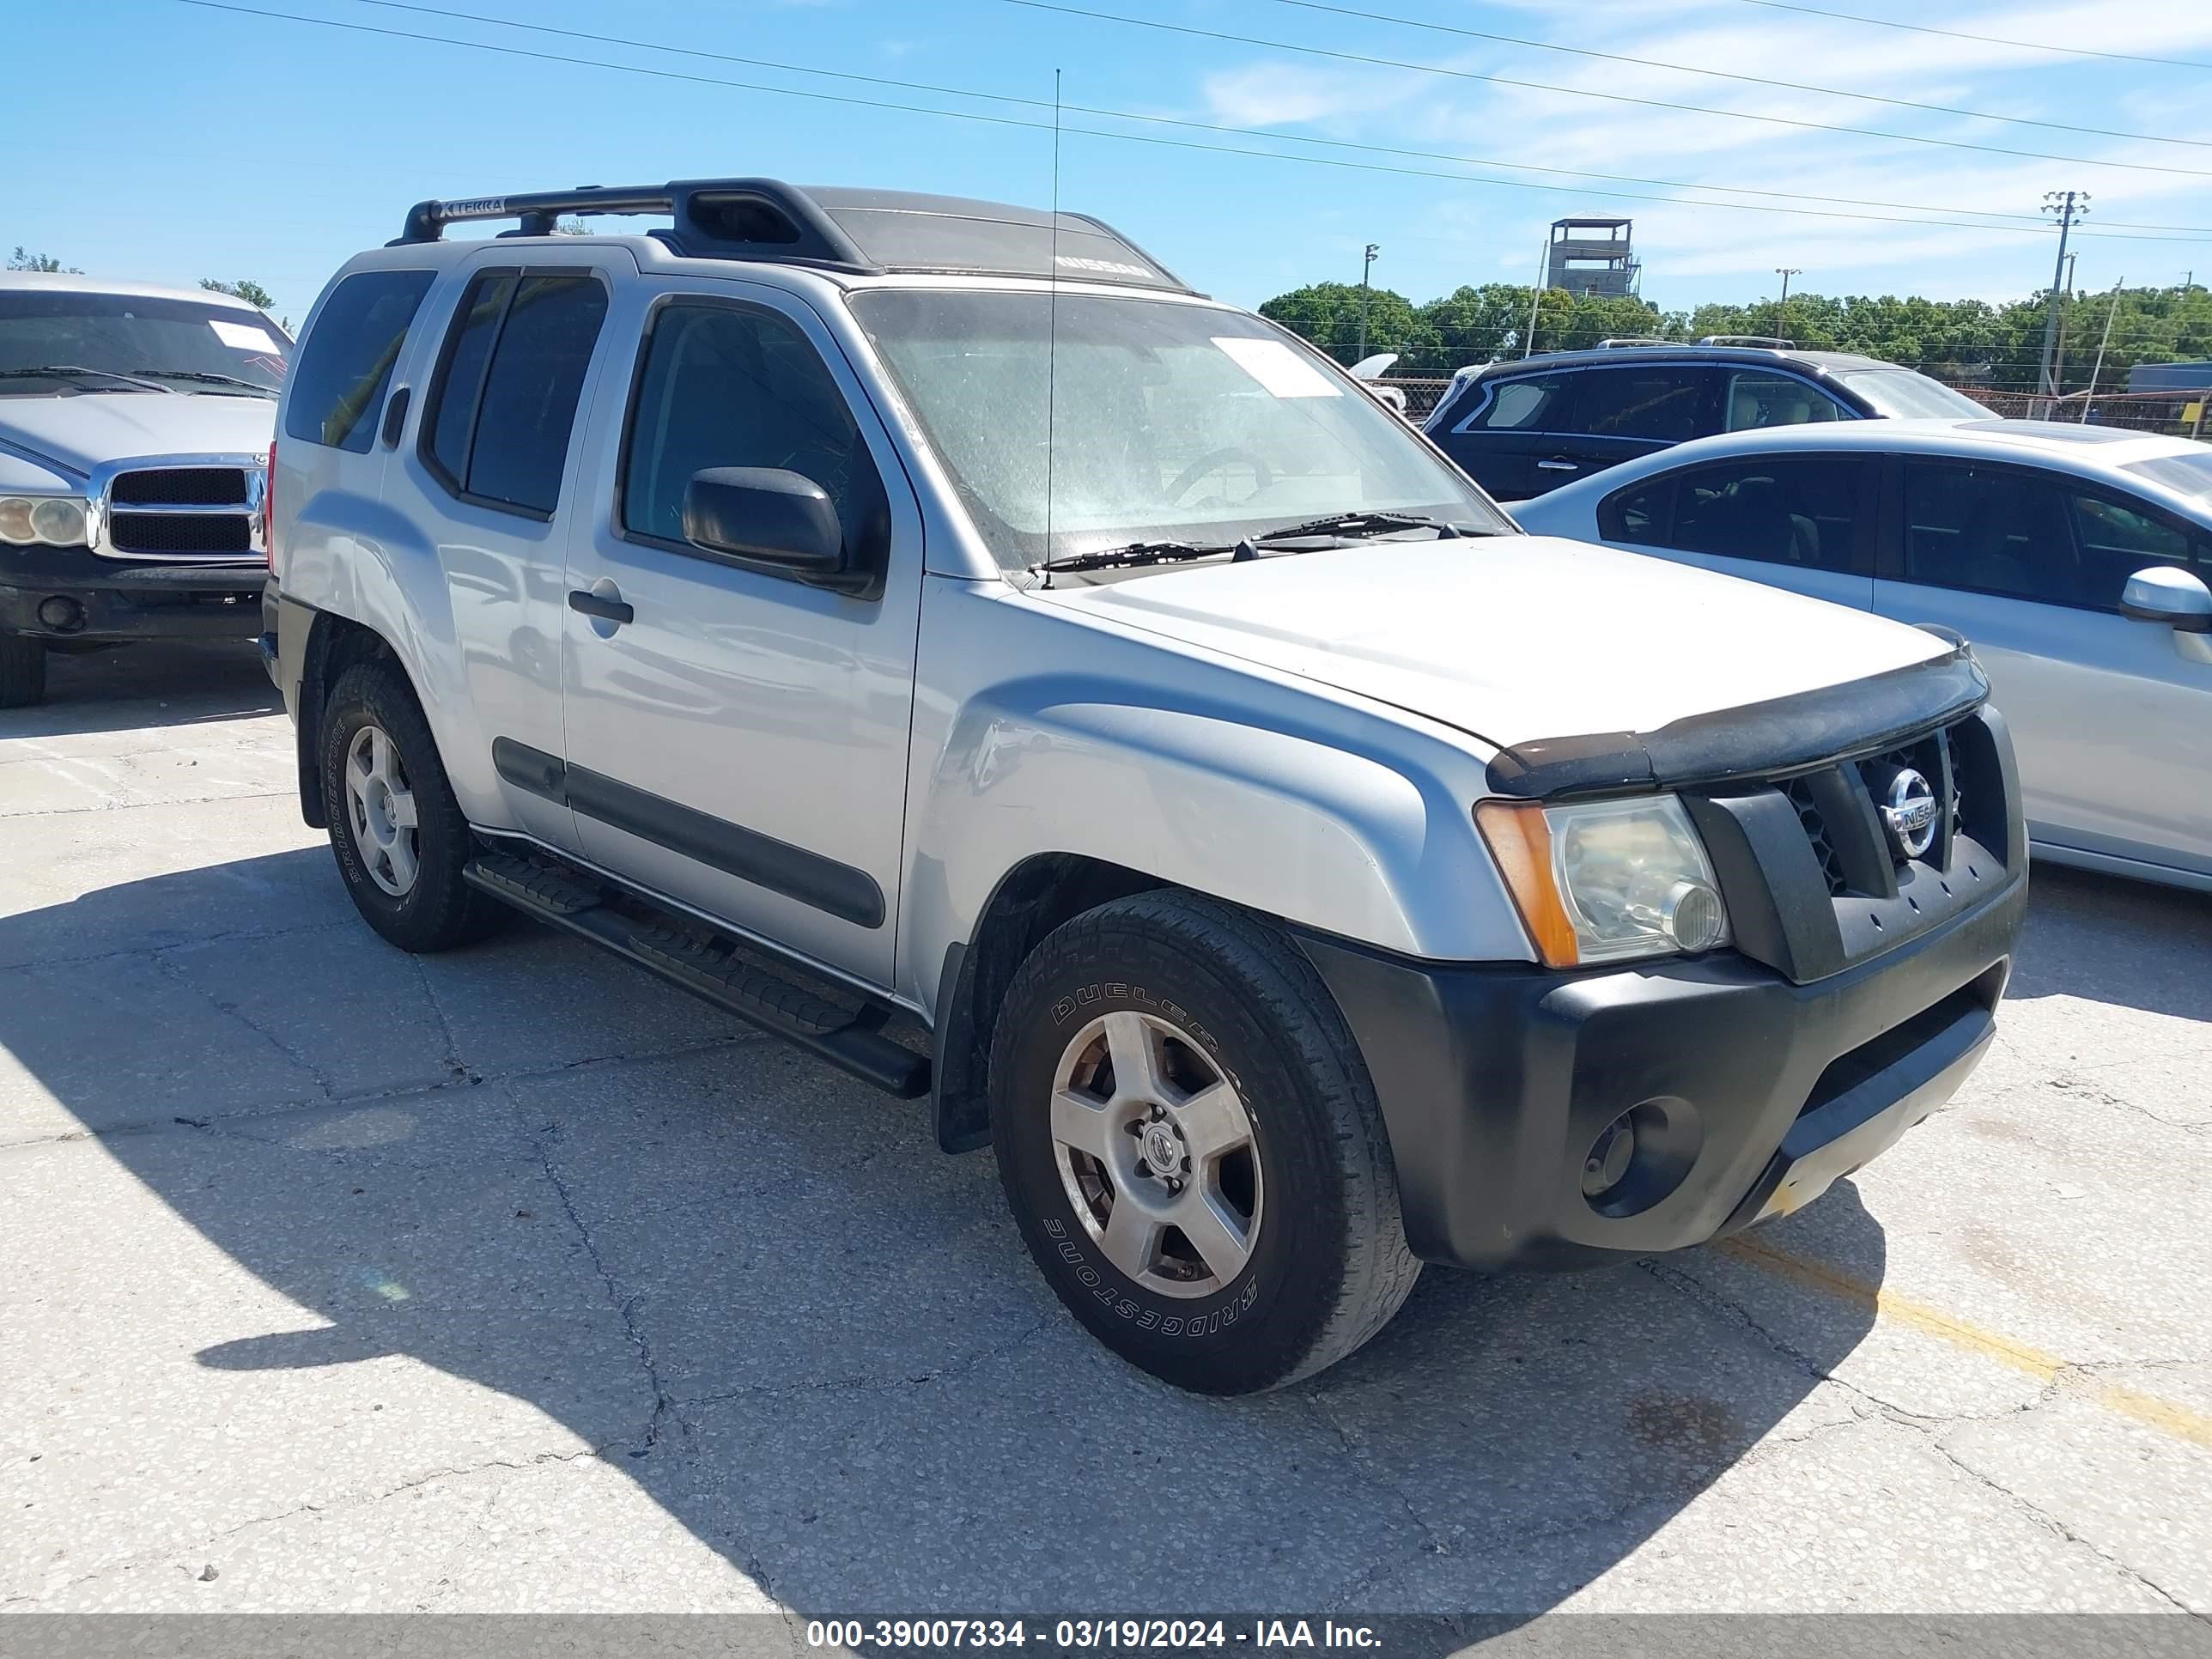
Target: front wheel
22 671
1189 1141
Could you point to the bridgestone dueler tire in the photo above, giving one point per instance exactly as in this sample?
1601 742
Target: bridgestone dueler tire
1329 1265
441 911
22 672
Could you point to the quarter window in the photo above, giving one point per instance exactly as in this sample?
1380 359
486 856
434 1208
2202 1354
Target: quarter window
1536 403
345 362
1801 510
1759 398
505 404
730 385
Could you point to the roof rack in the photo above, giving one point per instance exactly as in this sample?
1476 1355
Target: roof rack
865 232
1619 341
1767 340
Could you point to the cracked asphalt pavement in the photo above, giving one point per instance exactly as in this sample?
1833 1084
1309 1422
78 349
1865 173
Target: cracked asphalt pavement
510 1280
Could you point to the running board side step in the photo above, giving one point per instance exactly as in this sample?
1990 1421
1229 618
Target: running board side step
578 904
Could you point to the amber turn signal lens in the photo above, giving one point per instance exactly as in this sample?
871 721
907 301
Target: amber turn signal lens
1520 841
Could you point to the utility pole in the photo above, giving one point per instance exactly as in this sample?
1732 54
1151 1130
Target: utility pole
2112 305
2065 320
1366 266
1536 297
1781 305
2069 205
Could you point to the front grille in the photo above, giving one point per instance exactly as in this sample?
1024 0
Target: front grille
180 486
179 533
1800 793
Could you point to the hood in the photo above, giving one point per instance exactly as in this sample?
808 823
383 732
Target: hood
82 430
1516 638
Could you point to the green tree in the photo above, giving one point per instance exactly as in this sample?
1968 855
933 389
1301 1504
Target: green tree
1328 315
252 293
19 260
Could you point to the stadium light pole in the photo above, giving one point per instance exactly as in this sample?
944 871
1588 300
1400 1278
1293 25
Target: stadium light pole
1366 264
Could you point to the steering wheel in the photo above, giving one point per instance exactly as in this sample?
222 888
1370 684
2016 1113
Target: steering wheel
1218 458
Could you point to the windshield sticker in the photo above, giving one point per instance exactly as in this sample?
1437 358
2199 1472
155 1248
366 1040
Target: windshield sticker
242 336
1277 368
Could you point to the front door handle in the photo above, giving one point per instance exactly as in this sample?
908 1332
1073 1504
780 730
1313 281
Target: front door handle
608 607
1556 467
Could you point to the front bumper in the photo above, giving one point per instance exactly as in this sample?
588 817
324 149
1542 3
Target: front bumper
1753 1077
1753 1094
95 599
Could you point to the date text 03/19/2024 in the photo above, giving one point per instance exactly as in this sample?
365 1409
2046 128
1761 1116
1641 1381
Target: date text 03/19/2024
1085 1634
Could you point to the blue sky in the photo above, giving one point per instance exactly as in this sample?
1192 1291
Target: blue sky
163 141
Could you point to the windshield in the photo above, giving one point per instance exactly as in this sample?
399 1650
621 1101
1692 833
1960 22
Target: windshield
1171 421
137 336
2190 475
1903 395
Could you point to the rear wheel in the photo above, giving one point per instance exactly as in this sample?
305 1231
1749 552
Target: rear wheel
399 836
1189 1141
22 671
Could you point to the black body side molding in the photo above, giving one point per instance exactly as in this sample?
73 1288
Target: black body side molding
1763 739
849 894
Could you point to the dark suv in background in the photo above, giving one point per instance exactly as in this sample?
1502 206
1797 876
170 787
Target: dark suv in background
1520 428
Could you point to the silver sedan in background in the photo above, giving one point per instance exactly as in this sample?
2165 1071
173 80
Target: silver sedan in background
2077 559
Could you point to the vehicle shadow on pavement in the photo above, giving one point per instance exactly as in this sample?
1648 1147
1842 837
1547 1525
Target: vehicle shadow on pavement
162 683
756 1291
2106 939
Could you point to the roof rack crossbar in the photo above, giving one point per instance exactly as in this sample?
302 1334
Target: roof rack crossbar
1769 341
759 217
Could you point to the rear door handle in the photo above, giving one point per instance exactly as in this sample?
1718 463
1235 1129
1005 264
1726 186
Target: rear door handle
1556 467
606 607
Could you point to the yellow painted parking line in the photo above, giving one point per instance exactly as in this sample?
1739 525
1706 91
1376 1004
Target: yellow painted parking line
2179 1421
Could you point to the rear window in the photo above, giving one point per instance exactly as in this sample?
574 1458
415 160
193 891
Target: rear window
505 401
345 362
1660 404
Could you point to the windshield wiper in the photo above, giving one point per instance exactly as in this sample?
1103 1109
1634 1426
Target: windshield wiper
71 371
204 378
1364 524
1108 558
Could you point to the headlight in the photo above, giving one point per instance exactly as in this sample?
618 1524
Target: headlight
1605 881
58 520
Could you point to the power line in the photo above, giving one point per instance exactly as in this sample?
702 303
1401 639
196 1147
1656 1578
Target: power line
1732 75
1122 137
1585 92
1242 132
1984 40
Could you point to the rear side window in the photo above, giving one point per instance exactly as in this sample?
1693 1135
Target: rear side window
1535 403
730 385
496 432
345 364
1656 404
1802 510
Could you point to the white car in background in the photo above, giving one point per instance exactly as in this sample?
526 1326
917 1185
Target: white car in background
2076 559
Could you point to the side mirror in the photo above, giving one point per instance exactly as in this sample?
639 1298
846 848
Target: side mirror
765 515
2167 593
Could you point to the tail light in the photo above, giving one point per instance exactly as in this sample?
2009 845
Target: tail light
269 509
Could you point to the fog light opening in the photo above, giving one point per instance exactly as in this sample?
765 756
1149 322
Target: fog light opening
61 613
1640 1157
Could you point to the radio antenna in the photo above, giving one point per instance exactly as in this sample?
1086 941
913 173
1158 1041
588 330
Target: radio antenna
1052 329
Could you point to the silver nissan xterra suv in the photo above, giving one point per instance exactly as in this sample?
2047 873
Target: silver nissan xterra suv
894 618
